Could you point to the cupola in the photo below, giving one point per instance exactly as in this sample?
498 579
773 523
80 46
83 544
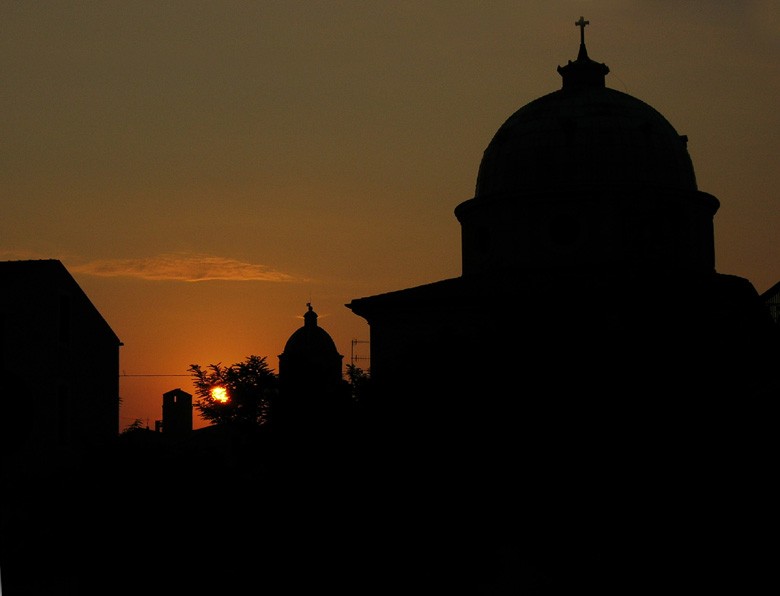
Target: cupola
586 175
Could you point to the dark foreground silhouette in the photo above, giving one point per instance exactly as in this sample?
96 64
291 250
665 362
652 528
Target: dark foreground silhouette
566 503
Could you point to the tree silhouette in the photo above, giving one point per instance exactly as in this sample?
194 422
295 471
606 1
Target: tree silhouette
359 381
134 426
250 389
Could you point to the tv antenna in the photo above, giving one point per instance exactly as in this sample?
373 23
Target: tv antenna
353 356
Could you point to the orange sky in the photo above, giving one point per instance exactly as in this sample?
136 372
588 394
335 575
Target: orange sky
204 169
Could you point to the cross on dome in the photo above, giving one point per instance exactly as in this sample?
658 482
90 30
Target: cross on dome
581 24
583 71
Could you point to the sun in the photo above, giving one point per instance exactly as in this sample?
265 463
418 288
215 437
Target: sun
219 394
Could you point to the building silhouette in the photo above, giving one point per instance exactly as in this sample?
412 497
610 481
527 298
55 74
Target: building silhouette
310 359
771 298
593 387
176 413
60 363
312 389
60 408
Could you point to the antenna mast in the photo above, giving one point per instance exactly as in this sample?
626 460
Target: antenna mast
353 356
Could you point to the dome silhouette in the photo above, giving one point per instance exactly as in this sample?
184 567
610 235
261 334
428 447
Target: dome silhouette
311 340
587 176
310 376
584 137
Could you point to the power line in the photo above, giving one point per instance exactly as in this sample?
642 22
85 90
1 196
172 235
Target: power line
126 375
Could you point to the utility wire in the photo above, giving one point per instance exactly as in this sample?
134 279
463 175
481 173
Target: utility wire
126 375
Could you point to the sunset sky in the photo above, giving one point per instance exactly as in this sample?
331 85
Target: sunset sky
205 169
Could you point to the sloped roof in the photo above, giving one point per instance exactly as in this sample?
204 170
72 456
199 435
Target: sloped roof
21 277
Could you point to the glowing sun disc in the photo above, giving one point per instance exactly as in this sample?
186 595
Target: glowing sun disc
219 394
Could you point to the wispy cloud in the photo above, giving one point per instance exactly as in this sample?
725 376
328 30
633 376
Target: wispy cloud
182 267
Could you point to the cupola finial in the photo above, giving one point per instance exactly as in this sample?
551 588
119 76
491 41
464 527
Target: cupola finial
310 317
583 72
581 24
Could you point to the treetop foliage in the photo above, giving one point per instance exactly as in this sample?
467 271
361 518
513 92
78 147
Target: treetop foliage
250 387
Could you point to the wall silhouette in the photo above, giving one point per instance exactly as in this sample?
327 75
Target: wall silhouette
60 400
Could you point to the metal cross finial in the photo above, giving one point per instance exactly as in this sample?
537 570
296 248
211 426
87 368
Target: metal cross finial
581 24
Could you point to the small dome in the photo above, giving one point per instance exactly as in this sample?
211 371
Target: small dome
584 135
310 339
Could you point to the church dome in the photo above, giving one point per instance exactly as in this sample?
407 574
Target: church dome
586 177
310 340
584 135
309 369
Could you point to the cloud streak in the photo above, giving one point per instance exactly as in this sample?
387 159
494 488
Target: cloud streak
182 267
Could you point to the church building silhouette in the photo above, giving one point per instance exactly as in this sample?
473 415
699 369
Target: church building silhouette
312 390
592 383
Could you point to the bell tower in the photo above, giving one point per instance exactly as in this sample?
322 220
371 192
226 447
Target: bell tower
177 413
